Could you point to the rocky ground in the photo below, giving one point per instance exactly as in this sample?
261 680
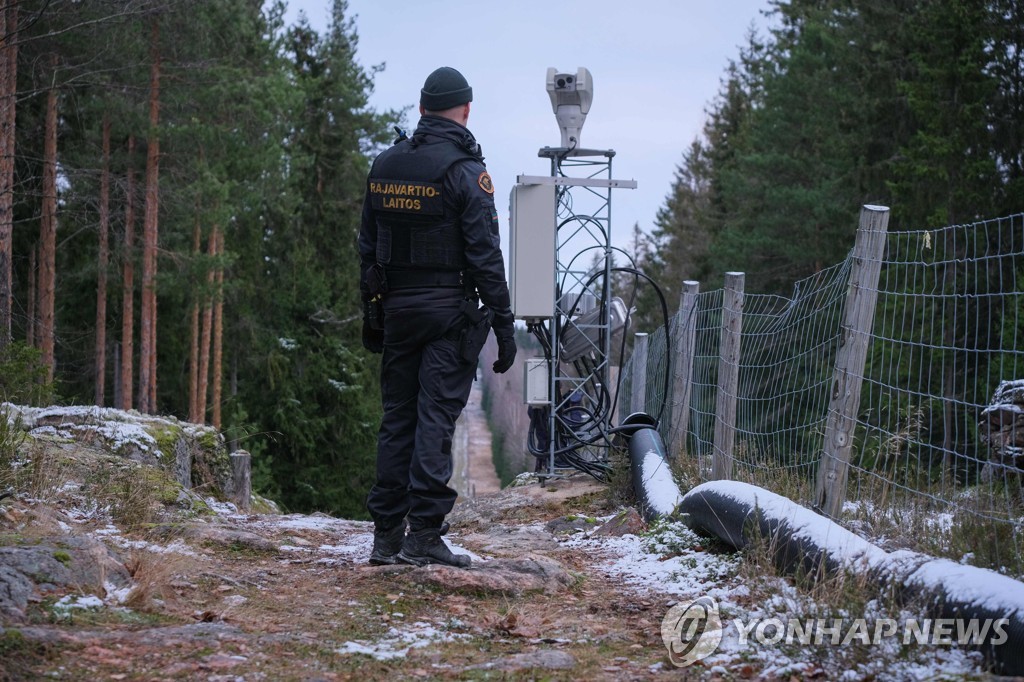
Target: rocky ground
567 584
276 597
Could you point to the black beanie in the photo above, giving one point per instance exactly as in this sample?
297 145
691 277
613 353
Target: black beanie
445 88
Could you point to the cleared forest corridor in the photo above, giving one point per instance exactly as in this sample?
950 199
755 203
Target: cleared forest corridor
474 472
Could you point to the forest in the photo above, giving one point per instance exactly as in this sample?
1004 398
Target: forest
917 105
181 182
179 200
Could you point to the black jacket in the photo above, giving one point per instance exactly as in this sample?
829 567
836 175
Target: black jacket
440 199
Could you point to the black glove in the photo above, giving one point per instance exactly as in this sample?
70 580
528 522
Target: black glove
506 354
373 339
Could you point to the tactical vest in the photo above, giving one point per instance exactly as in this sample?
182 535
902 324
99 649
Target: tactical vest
415 227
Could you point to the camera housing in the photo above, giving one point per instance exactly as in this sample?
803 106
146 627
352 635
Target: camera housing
571 95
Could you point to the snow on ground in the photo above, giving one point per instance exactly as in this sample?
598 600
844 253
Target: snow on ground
397 642
118 429
937 524
71 602
671 561
177 546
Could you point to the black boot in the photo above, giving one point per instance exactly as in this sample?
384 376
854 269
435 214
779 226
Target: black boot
387 544
426 547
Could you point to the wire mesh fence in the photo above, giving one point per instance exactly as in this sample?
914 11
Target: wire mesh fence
937 459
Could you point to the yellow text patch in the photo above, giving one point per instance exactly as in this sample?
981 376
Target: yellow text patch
406 196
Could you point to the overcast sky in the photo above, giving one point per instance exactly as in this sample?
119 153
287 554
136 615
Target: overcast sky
656 65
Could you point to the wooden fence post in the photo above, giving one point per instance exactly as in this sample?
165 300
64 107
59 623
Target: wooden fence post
728 376
241 475
855 337
684 348
183 464
638 396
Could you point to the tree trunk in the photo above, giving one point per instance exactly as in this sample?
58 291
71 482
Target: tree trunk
218 335
104 258
153 346
193 360
30 323
128 298
204 344
147 337
8 92
48 233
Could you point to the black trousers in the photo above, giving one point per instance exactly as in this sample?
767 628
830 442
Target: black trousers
424 386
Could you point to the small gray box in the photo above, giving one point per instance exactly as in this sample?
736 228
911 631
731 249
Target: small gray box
532 251
536 383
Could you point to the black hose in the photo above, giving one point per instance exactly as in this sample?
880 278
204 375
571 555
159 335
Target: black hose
656 491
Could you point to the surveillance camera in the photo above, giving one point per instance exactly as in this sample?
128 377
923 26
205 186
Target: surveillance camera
571 95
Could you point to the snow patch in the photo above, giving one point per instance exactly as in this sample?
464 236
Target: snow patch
318 522
221 508
668 560
69 602
662 492
397 643
116 595
177 546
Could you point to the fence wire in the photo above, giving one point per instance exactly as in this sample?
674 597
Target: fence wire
939 442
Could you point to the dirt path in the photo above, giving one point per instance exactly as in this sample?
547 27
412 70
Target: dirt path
565 585
257 598
471 450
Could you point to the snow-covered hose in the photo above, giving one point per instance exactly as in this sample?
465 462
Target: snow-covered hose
802 541
656 491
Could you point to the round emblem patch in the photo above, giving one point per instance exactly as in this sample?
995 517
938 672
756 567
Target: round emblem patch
485 182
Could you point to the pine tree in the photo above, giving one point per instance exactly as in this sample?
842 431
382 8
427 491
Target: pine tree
8 102
104 258
48 232
128 284
320 388
788 194
150 232
286 134
1006 68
